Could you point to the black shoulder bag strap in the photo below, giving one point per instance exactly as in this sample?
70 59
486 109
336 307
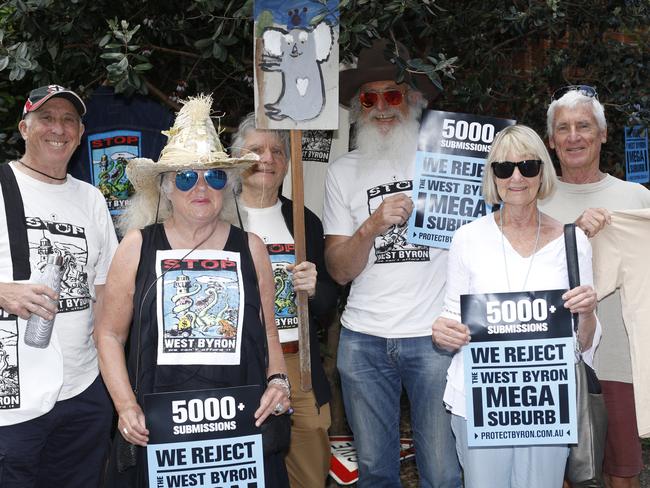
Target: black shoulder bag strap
573 269
572 266
17 230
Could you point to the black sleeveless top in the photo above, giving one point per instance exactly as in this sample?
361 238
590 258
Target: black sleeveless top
153 378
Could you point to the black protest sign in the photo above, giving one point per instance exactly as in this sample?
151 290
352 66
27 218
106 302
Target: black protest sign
204 438
519 369
449 164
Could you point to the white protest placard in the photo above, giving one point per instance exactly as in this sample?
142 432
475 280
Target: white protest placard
452 148
200 307
519 369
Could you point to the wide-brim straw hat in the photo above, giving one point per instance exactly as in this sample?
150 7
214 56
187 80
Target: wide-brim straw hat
375 65
193 144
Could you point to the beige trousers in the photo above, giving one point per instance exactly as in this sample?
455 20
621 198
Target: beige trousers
308 459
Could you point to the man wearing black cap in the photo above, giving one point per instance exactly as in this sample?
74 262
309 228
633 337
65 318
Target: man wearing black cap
55 415
397 287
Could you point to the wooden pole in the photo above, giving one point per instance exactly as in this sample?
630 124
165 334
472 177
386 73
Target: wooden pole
298 198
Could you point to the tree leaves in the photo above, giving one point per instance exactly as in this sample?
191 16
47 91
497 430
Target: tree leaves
495 58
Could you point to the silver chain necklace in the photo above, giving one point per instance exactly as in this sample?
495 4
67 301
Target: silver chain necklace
503 248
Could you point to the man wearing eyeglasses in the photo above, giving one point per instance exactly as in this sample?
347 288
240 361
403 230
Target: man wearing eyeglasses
577 129
55 414
396 287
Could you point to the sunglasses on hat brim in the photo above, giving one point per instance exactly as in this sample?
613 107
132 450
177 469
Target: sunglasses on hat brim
187 179
391 97
586 90
528 168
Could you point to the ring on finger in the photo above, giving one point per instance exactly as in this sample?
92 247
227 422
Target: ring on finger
278 409
125 430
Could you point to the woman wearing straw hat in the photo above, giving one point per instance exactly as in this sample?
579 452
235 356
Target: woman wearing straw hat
190 326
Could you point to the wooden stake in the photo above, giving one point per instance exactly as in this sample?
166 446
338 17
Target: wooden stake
298 198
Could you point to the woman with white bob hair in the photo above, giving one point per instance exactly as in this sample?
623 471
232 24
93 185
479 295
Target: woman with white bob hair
517 248
186 290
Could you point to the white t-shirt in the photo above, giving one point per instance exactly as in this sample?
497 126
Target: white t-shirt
268 223
399 292
566 204
476 266
71 220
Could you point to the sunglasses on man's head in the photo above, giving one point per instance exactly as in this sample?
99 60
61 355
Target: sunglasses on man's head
528 168
586 90
215 178
370 98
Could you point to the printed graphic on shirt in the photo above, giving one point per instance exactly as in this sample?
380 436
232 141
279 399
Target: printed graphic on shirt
110 153
316 145
286 317
9 380
200 307
391 246
68 241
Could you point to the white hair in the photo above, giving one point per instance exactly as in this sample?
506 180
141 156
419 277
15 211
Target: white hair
571 100
399 142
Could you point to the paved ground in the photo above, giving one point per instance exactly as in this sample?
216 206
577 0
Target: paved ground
409 474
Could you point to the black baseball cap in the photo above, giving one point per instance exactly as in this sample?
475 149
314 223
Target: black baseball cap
38 96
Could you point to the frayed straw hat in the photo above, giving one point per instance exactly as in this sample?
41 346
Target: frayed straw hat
193 144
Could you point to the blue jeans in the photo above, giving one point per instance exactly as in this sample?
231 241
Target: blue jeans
373 371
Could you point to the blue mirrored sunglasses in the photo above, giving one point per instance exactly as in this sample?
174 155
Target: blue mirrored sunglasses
586 90
215 178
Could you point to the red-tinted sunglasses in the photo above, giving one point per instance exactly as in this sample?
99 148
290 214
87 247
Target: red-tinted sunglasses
392 97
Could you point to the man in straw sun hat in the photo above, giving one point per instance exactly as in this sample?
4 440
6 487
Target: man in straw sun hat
177 216
397 288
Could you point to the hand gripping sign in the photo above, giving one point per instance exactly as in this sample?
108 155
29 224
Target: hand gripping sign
519 369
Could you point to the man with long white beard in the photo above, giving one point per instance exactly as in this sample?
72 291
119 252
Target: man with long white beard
397 287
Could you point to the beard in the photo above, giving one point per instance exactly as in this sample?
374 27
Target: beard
396 144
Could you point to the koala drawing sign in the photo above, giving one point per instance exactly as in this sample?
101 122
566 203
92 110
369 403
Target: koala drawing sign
296 64
298 55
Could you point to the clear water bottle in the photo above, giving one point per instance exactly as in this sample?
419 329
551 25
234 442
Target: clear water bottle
39 330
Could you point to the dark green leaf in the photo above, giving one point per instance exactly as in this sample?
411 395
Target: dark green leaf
143 67
112 56
203 43
105 40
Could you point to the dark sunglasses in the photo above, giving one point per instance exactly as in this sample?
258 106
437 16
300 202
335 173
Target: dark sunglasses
586 90
215 178
528 168
392 97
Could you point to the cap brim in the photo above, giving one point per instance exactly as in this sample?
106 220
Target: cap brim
70 96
